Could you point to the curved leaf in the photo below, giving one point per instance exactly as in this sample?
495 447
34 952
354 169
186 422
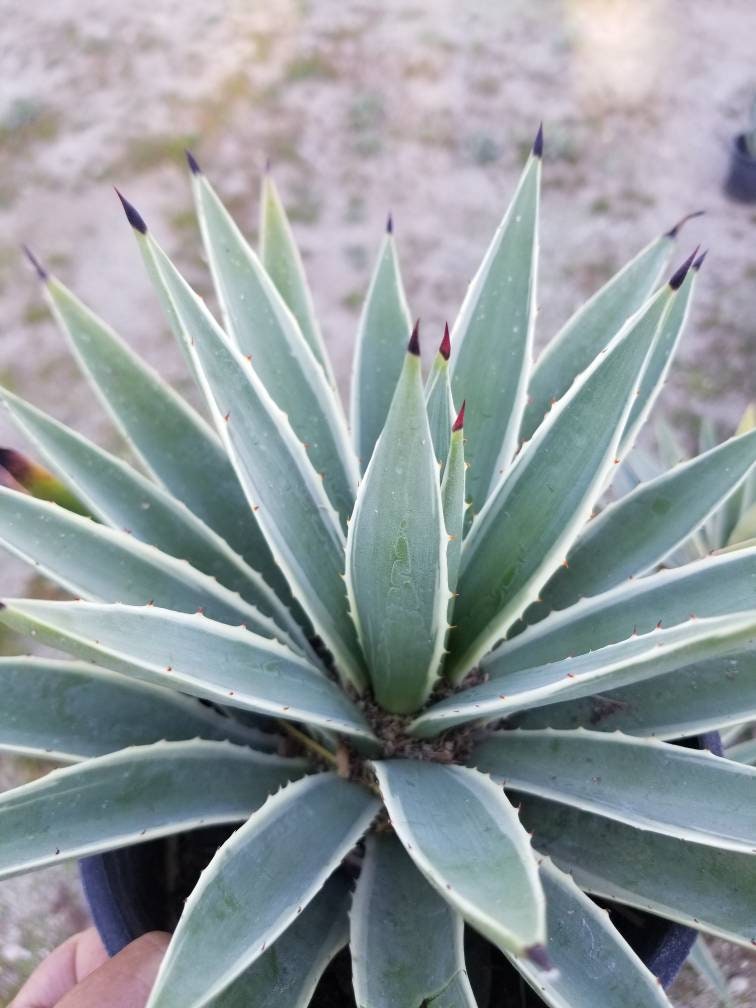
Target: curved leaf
662 352
465 837
743 752
691 883
710 694
439 404
300 836
133 796
587 953
124 499
537 510
273 467
629 661
192 654
710 587
493 338
453 502
104 564
379 350
406 940
396 554
170 438
585 334
264 329
280 256
287 974
647 784
54 709
634 534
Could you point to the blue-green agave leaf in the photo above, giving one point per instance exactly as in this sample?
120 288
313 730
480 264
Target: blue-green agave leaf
396 553
379 350
53 709
194 655
465 837
713 586
273 467
132 796
493 337
712 694
406 940
300 836
645 783
263 328
539 506
280 256
694 884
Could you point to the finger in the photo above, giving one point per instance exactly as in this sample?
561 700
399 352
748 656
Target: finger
125 980
62 970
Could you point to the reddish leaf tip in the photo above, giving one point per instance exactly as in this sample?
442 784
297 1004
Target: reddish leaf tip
413 346
445 348
389 224
38 267
699 262
14 462
132 214
460 421
677 278
675 230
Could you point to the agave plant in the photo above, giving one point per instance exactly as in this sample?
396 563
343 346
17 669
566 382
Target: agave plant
413 658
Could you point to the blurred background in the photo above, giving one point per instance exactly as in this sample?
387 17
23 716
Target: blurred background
364 106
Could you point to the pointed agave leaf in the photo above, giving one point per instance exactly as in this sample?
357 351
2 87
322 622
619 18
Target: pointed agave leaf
713 586
708 695
34 479
54 709
396 554
286 975
264 329
194 655
133 796
453 500
633 535
406 940
705 888
284 491
379 350
283 264
537 510
615 665
107 565
300 835
124 499
439 403
465 837
493 338
585 334
587 954
629 779
662 352
173 442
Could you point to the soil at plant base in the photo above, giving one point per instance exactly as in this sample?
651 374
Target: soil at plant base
363 106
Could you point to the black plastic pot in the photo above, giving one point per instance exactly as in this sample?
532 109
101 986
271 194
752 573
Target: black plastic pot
137 889
741 179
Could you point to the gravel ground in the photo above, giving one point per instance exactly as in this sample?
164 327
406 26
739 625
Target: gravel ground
362 107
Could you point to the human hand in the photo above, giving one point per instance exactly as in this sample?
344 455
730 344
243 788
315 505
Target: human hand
79 974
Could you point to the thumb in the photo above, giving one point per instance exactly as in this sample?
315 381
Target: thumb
125 981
